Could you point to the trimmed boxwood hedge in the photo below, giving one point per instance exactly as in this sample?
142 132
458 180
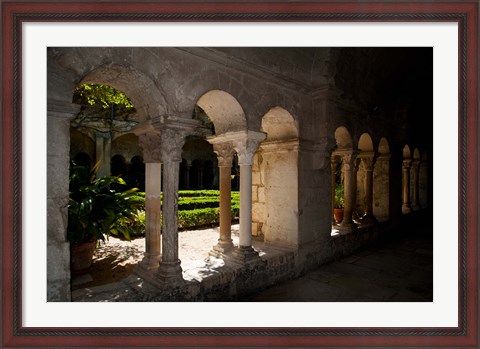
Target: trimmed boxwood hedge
203 216
197 208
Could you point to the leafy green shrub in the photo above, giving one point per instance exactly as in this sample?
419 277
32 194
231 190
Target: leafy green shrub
97 210
203 216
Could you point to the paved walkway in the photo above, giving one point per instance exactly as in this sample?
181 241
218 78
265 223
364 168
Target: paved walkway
396 269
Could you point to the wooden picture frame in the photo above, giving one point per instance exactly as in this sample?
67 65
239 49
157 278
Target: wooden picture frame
14 13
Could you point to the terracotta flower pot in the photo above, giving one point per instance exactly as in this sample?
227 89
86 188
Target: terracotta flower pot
81 256
338 214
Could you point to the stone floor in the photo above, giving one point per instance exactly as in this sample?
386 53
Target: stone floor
397 268
391 271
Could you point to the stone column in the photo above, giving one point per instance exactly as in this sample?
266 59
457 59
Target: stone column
348 160
172 140
150 143
406 186
415 173
367 162
334 168
103 144
59 114
224 153
246 147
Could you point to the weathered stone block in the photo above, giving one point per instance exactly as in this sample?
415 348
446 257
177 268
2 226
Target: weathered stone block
256 178
261 194
254 193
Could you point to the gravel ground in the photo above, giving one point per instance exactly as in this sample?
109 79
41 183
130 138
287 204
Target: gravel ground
115 259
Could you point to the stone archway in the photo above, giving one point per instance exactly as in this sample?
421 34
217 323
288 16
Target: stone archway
275 185
232 136
224 111
364 179
343 162
60 111
142 91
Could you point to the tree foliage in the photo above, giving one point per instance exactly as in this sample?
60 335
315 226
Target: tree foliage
101 96
103 108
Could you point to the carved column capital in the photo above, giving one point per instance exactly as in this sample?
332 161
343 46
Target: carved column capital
172 141
349 161
246 147
415 164
224 153
367 162
406 164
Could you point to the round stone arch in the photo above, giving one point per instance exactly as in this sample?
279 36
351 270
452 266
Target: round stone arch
365 146
275 189
383 146
343 138
407 154
416 154
365 143
279 125
142 91
224 111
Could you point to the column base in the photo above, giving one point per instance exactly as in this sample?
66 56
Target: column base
222 248
346 228
170 273
147 266
245 255
406 209
149 261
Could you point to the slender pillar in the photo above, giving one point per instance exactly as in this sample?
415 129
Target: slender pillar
415 179
153 174
245 238
348 160
150 144
225 157
103 144
246 148
367 163
334 168
406 186
354 189
172 140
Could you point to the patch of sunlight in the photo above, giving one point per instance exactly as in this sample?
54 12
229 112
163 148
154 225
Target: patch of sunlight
335 231
203 269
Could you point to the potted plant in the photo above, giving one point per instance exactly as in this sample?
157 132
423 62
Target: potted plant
96 210
339 202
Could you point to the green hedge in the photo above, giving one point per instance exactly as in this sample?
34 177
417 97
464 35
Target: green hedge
197 208
203 216
201 207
